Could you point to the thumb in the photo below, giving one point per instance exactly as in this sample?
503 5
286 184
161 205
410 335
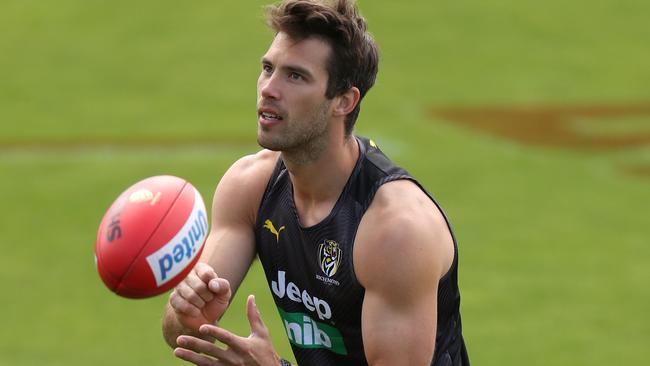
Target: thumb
254 317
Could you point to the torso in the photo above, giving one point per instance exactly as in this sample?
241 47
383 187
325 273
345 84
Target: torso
310 270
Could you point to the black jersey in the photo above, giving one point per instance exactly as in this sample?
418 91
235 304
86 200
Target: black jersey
311 275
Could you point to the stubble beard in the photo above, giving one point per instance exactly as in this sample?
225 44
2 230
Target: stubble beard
303 141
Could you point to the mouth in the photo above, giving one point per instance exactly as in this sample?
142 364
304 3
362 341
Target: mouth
268 117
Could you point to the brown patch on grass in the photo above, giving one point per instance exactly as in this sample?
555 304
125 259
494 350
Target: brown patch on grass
636 170
549 125
554 126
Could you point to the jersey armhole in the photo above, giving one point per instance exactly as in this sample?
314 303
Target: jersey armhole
368 201
279 166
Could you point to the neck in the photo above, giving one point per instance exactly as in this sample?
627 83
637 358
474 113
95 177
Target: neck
319 178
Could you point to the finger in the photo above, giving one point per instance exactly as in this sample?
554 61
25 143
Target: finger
201 346
205 272
237 343
255 318
182 306
190 295
199 286
220 287
195 358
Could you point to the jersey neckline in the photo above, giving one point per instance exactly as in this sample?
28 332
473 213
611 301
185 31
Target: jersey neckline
342 195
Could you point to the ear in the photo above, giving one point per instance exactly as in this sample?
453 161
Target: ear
346 102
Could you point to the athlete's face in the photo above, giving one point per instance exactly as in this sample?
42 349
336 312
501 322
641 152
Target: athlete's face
293 112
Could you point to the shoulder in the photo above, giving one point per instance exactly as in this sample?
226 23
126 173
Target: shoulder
256 165
241 188
402 228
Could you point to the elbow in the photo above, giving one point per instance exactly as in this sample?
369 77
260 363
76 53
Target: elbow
170 328
169 335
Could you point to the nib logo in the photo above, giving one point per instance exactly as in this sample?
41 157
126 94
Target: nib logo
304 332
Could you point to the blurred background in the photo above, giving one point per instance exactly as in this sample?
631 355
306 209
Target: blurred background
528 121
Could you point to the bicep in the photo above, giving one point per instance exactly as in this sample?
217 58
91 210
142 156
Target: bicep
230 246
399 331
400 256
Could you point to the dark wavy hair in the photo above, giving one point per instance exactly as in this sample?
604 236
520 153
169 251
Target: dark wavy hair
354 60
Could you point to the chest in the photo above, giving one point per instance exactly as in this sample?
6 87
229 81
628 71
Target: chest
310 270
318 258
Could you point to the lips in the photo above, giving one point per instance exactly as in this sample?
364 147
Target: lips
268 116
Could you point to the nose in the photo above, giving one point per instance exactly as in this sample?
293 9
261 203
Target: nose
267 86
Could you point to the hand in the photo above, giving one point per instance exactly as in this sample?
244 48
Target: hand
254 350
201 298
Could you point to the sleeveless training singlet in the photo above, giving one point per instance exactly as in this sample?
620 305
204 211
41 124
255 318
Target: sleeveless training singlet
311 275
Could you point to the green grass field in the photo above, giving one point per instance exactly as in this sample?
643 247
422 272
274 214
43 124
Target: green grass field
554 242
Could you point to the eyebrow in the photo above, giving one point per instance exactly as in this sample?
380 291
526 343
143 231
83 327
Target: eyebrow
291 68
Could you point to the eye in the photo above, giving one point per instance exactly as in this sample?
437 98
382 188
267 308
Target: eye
267 68
295 76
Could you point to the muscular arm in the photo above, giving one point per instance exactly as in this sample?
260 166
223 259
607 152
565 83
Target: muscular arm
403 247
229 248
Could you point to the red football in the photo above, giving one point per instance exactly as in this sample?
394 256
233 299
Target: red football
151 237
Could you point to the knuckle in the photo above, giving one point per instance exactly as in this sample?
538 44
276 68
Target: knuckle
202 268
200 287
195 299
193 277
174 299
176 303
190 309
180 287
205 272
181 306
172 295
182 292
190 294
206 295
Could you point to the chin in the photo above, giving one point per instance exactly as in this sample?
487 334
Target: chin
268 143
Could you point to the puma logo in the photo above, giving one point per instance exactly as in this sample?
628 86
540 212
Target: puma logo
269 225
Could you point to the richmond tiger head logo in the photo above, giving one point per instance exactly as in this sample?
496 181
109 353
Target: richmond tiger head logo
329 257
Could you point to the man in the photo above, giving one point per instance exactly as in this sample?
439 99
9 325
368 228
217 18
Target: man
360 260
